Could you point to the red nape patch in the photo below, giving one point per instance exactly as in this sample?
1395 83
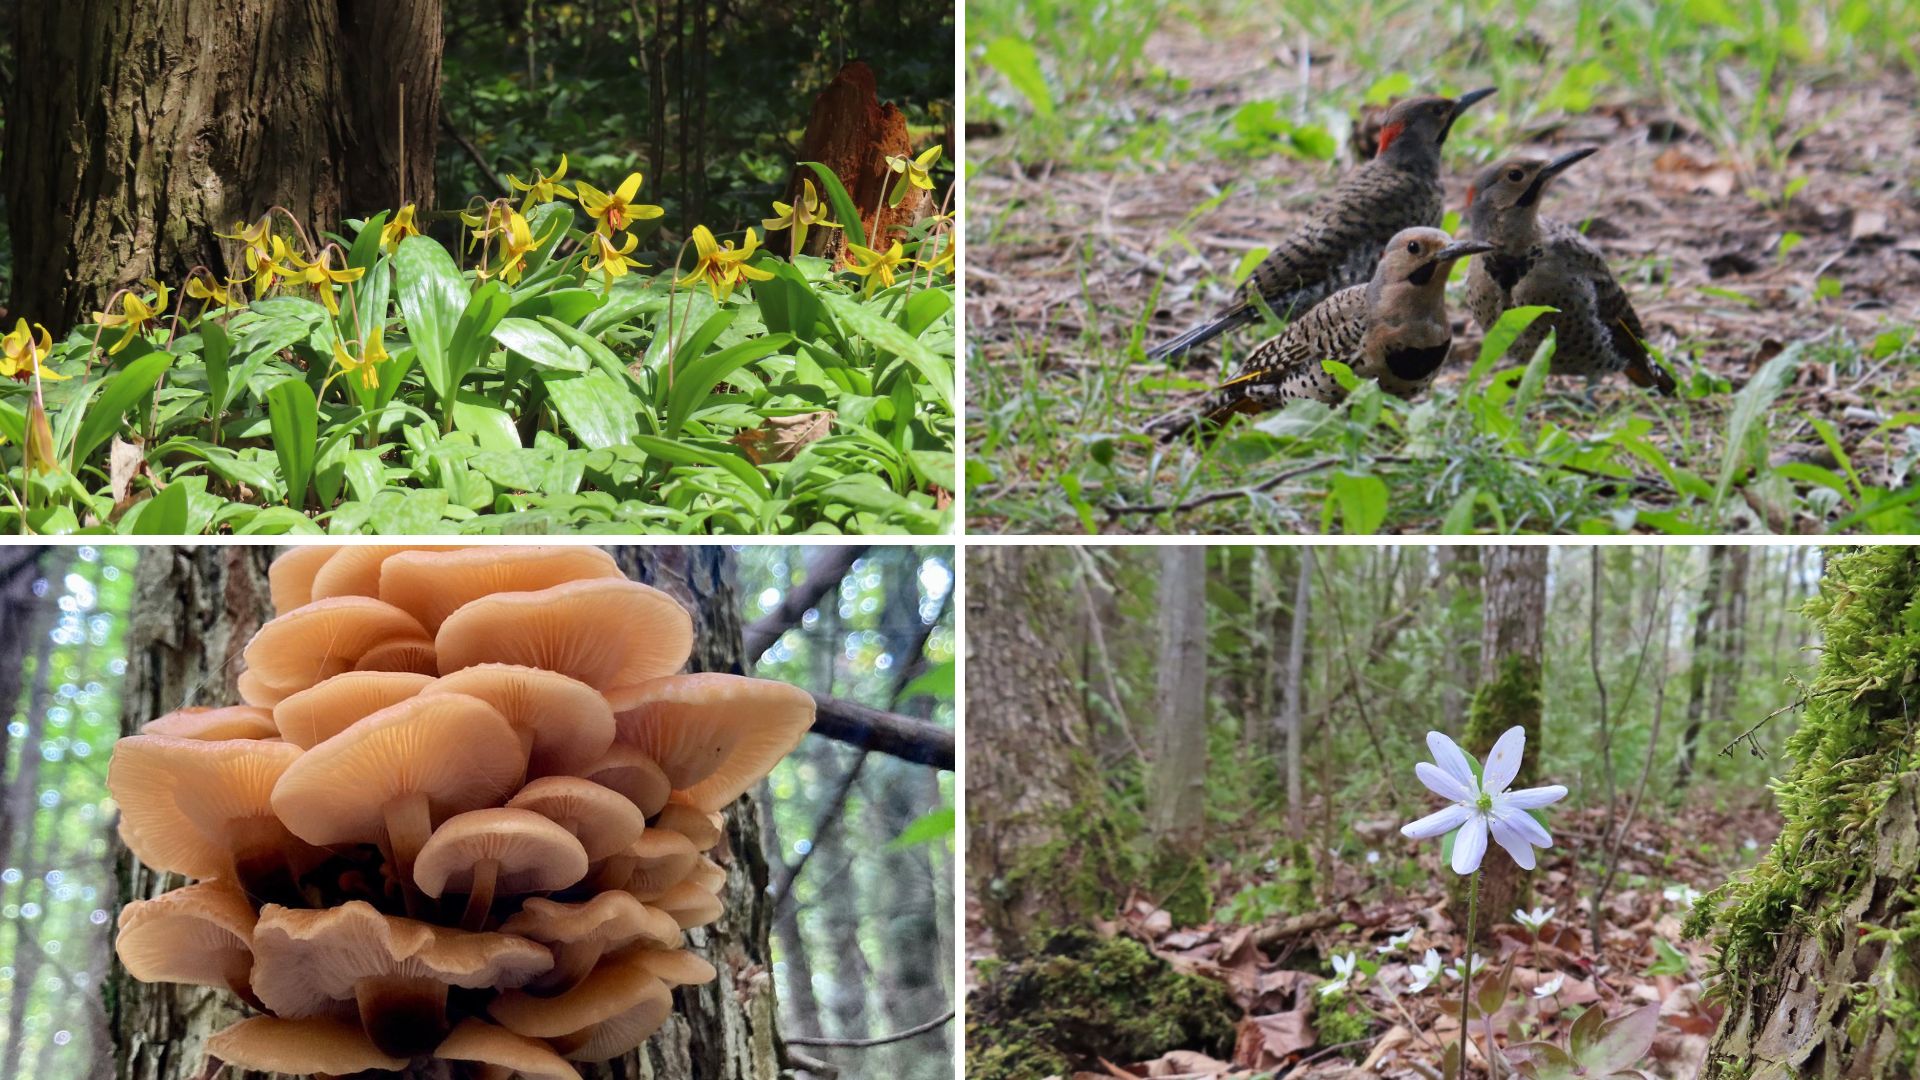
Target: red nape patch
1471 192
1389 133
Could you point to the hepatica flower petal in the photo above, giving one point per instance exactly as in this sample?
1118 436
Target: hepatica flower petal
1481 807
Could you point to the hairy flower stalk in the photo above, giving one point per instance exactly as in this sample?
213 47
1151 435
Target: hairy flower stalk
1480 806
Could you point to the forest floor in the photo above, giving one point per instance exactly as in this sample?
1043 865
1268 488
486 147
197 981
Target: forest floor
1741 230
1273 968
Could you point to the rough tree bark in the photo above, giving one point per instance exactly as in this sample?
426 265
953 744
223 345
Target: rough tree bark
194 609
853 134
1290 696
136 129
1027 761
1177 785
1509 694
1816 943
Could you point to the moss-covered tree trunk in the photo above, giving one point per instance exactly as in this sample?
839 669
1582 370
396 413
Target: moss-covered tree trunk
136 128
1819 947
1514 614
194 609
1031 861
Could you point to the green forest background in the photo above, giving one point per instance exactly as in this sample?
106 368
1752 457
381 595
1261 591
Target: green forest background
874 900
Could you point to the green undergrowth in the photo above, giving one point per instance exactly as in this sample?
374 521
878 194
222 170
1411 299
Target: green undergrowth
1855 755
1079 997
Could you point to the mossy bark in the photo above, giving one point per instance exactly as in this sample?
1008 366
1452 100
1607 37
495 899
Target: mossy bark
1080 998
1819 946
1040 854
193 612
136 129
1508 696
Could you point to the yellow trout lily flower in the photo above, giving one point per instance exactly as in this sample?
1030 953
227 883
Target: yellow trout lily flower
618 210
398 229
25 355
136 313
876 267
367 367
206 287
942 263
919 172
321 275
517 243
722 266
799 216
544 188
486 224
613 261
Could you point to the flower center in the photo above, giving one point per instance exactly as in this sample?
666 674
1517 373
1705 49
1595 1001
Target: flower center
1484 803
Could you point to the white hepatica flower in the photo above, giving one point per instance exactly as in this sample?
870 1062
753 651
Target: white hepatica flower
1482 805
1342 974
1535 919
1424 972
1550 987
1479 965
1395 943
1373 858
1684 895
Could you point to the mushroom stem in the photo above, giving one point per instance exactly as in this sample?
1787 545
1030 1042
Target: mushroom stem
408 825
404 1017
486 873
615 871
263 860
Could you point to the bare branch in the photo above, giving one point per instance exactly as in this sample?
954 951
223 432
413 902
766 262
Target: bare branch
824 572
880 1040
886 732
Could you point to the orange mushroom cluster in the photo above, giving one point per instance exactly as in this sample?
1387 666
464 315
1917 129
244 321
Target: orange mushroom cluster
465 812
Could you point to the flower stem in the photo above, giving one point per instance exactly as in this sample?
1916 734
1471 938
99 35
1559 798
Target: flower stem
1466 973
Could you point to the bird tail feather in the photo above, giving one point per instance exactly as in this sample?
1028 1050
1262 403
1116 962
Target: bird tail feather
1202 334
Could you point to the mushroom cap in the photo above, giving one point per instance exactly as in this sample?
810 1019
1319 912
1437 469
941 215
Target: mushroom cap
290 575
317 642
689 904
677 967
625 1030
307 961
662 859
320 712
318 1045
708 874
602 819
185 802
412 656
715 735
432 585
571 724
477 1040
454 749
213 725
201 935
614 987
633 774
534 854
609 633
615 919
702 827
355 570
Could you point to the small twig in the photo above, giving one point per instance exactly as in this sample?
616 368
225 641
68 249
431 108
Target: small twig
1747 735
880 1040
1268 484
1324 1051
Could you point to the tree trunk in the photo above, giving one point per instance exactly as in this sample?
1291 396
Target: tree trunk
1509 695
852 134
194 609
1031 862
136 129
1176 790
1460 565
1815 946
1702 662
1731 636
1290 696
21 613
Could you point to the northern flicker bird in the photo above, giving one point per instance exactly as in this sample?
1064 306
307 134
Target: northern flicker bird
1394 329
1539 260
1338 247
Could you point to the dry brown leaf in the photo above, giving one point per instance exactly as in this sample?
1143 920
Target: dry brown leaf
1676 170
779 438
1267 1041
1186 1063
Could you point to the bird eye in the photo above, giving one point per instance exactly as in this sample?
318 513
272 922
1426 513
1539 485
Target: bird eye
1413 246
1515 175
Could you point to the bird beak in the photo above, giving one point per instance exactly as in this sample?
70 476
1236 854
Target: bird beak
1566 161
1462 104
1460 249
